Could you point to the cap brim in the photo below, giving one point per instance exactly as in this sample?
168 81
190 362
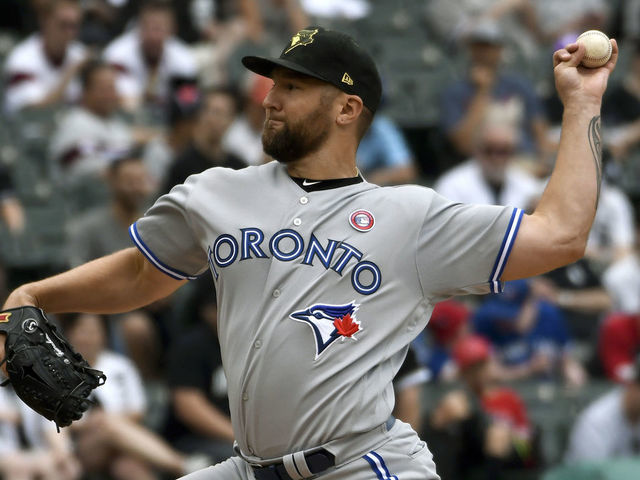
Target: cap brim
264 66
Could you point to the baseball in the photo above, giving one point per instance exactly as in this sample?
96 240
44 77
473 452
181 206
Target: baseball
598 48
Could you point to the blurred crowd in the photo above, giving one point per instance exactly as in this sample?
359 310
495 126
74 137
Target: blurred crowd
107 104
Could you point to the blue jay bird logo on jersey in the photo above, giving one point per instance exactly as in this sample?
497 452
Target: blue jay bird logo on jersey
330 322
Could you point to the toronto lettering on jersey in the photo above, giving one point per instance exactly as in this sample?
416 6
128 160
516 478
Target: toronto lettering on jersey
288 245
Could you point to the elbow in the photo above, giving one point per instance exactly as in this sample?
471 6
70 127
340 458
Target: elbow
572 248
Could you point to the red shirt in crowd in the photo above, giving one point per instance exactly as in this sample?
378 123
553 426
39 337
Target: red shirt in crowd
505 404
619 344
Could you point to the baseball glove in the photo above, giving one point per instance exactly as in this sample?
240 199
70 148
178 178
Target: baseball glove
45 371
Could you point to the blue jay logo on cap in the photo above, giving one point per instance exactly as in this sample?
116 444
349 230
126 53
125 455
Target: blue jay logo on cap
302 38
330 322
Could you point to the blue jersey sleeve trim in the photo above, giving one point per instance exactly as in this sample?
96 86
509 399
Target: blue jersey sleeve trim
505 250
146 251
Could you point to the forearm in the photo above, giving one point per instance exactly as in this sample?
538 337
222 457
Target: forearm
116 283
463 135
569 202
196 412
588 300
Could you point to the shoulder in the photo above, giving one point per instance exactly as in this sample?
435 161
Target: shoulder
121 47
523 178
409 196
24 53
179 54
459 173
604 409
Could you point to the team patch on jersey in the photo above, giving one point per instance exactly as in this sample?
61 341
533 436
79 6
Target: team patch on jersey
362 220
330 323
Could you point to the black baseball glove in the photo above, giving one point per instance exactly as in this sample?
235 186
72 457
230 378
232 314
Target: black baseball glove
45 371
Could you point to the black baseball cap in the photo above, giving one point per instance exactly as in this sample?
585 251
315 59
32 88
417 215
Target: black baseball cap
327 55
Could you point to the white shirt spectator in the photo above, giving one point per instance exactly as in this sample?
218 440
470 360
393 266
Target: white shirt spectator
466 184
350 9
613 226
244 142
125 54
84 144
622 281
30 76
9 438
124 392
602 432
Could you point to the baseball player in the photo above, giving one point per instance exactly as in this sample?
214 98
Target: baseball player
322 278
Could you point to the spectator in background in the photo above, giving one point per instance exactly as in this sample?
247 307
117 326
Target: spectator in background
486 427
244 136
40 71
199 407
100 21
622 277
219 27
609 428
490 176
148 56
90 135
109 438
448 324
407 386
11 211
383 155
529 335
48 454
577 290
206 149
621 109
612 235
348 9
104 230
487 94
181 112
619 343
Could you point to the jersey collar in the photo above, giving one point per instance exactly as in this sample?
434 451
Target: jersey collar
309 185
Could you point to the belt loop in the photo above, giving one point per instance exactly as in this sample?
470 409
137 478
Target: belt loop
290 467
301 463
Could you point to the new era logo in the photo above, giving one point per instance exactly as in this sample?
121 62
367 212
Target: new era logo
347 79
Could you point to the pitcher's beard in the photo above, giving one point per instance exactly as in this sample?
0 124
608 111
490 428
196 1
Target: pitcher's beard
291 143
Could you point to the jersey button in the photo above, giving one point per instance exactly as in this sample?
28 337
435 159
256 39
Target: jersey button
304 200
245 396
276 293
297 222
258 344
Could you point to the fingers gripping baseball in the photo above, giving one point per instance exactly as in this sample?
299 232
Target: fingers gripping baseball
576 83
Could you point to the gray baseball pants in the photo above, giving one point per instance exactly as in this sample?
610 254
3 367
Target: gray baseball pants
404 456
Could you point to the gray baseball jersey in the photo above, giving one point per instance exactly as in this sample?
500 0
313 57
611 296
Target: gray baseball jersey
319 293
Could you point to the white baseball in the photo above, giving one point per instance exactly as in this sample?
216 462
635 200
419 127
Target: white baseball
598 48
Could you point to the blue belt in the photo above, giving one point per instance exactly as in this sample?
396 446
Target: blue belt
316 462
